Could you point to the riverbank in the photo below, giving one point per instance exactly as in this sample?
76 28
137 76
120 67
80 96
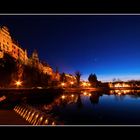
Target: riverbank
10 117
85 89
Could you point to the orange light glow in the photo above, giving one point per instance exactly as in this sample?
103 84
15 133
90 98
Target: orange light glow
121 85
84 84
53 123
89 94
18 83
85 93
72 95
63 84
71 83
119 93
63 96
46 121
89 84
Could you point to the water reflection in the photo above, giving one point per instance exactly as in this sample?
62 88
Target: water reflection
112 107
79 102
125 92
94 98
62 101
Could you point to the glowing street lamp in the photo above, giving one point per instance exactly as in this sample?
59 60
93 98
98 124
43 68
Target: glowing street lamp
72 95
18 83
89 94
84 84
85 93
71 83
62 84
63 96
89 84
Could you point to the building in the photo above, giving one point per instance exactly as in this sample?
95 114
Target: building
70 78
10 46
36 63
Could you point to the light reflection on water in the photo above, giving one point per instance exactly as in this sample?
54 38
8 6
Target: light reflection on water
89 108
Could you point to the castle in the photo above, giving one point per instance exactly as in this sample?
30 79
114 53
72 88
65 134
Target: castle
10 46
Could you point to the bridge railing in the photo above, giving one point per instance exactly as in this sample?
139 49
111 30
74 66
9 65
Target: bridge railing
35 116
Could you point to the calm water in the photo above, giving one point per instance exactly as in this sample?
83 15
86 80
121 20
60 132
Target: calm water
92 108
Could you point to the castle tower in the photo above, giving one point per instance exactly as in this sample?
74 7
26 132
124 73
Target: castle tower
25 57
35 58
5 40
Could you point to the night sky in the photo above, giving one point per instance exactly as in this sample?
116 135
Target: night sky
107 45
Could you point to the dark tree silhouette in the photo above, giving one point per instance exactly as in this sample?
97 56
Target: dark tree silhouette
78 76
63 77
94 98
93 79
79 102
32 77
12 70
7 68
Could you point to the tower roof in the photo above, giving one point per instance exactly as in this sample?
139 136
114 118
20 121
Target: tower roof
35 54
5 28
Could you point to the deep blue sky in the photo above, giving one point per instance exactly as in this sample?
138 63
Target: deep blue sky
108 45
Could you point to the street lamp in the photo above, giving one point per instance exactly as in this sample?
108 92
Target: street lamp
84 84
89 84
62 84
71 83
63 96
18 83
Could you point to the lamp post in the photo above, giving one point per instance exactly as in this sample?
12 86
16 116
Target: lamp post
71 84
18 83
62 84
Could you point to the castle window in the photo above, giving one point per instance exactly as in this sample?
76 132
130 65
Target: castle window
13 47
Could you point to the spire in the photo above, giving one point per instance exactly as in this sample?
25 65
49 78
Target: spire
5 30
35 55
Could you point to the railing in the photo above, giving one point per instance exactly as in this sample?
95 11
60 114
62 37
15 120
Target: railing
36 117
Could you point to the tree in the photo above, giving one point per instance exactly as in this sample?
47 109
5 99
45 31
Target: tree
63 77
7 68
78 76
79 102
93 79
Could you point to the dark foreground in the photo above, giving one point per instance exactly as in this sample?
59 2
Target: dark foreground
9 117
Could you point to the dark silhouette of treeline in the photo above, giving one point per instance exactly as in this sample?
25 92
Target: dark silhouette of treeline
12 70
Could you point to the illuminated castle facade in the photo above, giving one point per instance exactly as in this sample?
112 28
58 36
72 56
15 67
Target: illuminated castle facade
8 45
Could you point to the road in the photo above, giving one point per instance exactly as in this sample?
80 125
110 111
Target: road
10 117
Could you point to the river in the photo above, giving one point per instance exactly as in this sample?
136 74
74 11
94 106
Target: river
116 107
